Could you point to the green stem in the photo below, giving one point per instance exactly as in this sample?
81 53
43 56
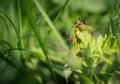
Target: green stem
61 11
11 23
21 44
50 23
43 48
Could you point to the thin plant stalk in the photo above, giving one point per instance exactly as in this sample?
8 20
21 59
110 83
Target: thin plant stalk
50 23
21 43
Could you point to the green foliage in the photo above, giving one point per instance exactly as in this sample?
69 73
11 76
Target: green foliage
34 79
32 48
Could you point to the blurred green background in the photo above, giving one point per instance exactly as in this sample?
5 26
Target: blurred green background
33 47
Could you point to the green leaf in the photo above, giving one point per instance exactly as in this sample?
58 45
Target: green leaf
110 45
88 51
67 72
99 44
85 78
110 51
85 37
107 60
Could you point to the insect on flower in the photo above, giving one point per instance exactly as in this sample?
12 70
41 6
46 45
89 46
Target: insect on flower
80 26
